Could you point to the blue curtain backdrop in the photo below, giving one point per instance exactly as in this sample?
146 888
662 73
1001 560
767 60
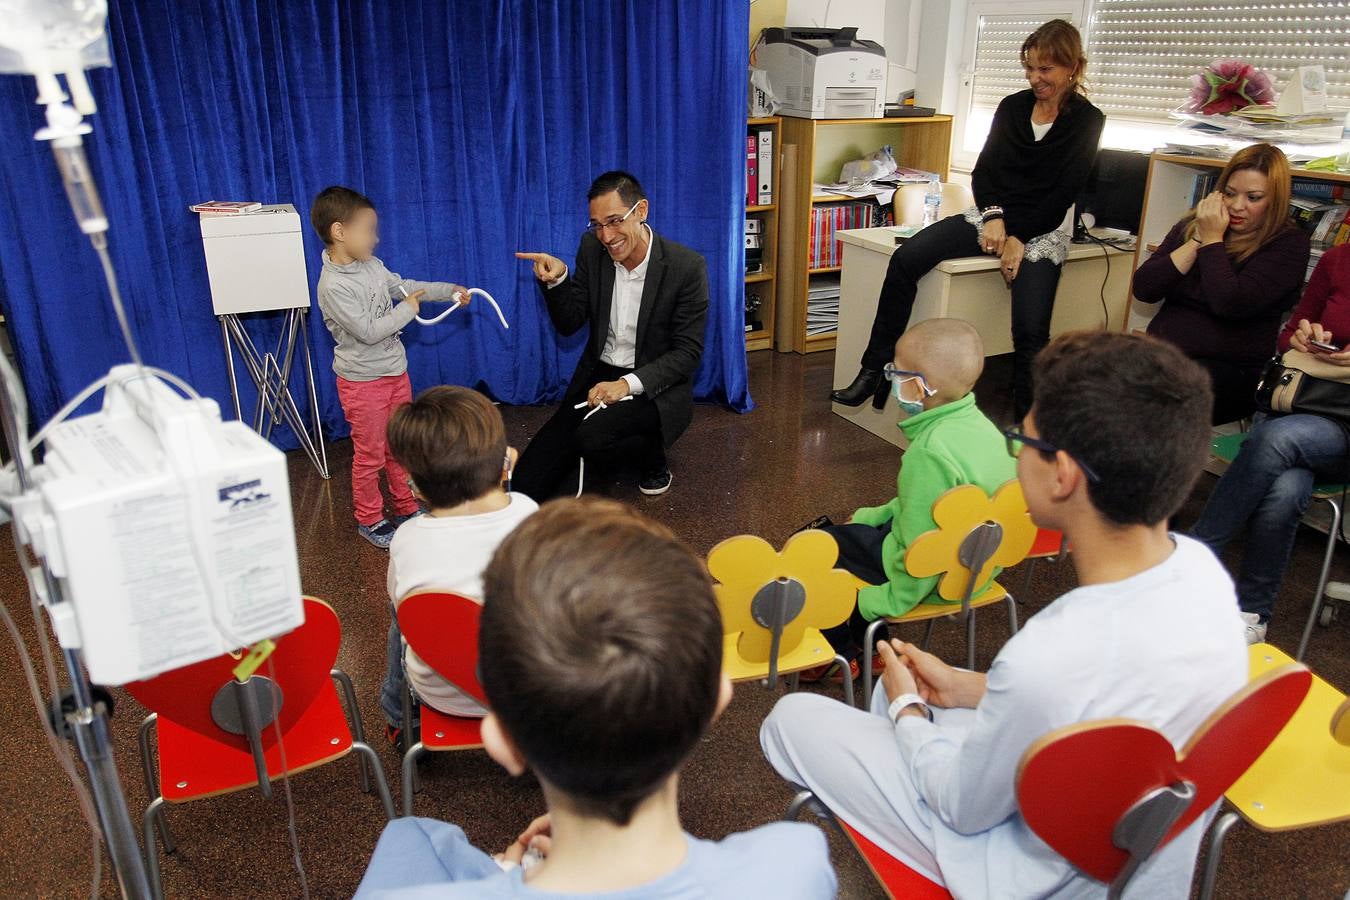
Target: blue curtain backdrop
475 127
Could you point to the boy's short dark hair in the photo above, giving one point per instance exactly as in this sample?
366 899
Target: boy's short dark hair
335 204
600 651
1135 410
630 192
452 441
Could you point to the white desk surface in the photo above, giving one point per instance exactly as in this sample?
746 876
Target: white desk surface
882 240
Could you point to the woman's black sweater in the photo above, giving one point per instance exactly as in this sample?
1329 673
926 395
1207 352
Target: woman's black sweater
1036 181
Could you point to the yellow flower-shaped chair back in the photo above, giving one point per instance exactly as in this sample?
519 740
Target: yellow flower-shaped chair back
800 586
975 533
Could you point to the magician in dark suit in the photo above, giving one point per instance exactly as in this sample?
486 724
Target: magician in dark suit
645 299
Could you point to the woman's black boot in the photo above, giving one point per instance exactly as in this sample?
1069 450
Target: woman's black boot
867 384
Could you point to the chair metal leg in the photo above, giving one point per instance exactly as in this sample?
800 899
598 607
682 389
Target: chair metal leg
367 755
1217 832
409 769
869 647
794 809
970 640
848 679
1012 614
358 730
928 634
153 813
794 680
152 779
1322 578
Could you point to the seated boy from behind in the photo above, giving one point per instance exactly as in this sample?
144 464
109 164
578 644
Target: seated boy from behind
601 655
452 442
951 442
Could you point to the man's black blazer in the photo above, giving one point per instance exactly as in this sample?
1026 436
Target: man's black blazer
669 327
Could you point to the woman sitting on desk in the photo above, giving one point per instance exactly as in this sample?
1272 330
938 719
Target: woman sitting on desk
1269 484
1034 163
1225 275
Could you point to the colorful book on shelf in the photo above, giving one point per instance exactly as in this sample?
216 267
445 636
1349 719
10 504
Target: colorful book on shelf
226 207
751 170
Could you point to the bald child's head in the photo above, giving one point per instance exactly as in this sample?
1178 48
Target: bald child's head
947 352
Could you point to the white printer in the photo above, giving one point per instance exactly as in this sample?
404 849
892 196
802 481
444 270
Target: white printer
824 73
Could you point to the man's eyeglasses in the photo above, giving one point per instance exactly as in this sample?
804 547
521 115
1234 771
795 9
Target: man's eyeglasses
1017 440
612 222
900 376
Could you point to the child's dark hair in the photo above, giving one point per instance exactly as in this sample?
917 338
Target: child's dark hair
452 442
1135 410
600 650
335 204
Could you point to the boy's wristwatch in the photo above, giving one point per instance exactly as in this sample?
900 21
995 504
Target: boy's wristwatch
904 701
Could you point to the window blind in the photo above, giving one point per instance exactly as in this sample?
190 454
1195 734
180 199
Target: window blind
998 63
1142 53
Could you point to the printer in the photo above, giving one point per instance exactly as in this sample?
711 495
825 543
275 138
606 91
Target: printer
824 73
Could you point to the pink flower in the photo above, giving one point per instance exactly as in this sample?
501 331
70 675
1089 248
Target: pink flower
1226 85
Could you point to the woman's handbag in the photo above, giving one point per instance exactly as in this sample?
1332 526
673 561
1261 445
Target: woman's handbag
1300 382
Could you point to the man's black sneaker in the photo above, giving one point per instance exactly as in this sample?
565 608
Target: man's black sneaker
656 483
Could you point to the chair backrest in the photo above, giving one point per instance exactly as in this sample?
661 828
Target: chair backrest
442 629
771 598
908 202
1107 794
975 533
300 666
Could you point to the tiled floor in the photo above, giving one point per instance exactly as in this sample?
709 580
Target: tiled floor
767 473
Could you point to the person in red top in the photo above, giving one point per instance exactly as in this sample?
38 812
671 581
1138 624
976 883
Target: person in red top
1227 273
1268 486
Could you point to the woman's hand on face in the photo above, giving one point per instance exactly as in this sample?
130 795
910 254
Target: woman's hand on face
1211 219
993 237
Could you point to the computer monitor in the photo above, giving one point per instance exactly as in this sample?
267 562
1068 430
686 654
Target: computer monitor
1114 193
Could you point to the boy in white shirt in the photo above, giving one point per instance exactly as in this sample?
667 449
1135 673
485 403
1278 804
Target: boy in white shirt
452 442
1114 442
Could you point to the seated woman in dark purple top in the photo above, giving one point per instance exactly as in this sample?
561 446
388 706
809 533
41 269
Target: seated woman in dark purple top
1227 273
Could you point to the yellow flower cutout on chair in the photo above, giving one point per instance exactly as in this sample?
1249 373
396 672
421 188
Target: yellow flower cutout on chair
956 513
745 564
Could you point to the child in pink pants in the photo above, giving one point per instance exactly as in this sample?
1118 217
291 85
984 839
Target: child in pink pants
365 306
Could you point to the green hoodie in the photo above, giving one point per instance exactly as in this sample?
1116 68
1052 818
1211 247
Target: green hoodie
949 445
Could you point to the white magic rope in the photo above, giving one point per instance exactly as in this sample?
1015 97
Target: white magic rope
460 302
581 461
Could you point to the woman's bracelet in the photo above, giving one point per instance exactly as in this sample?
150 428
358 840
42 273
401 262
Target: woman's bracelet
1196 238
990 213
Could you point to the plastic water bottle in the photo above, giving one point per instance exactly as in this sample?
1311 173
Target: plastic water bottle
932 201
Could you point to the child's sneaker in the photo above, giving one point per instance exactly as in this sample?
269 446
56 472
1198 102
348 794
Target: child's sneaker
1256 629
399 520
394 735
379 534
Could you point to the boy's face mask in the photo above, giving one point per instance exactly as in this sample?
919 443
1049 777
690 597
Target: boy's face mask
898 379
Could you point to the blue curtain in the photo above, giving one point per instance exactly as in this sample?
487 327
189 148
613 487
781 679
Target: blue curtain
475 127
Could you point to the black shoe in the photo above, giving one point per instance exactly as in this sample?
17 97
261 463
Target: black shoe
869 383
656 483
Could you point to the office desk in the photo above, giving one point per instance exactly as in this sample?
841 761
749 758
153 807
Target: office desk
969 288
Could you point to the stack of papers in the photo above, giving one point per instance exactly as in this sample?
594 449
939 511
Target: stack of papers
822 305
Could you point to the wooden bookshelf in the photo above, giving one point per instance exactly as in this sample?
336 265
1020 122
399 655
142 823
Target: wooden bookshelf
813 151
764 283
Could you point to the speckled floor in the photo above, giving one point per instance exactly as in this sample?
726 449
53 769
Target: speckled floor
767 473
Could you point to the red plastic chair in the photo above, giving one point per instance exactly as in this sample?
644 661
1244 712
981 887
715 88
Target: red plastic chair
216 735
1106 795
896 878
442 629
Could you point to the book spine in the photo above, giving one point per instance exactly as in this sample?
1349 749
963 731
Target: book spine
751 170
765 166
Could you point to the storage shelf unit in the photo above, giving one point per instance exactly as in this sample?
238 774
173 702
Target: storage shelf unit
765 281
813 151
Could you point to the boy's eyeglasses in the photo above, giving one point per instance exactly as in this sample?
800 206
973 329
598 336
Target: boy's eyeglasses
1017 440
900 376
612 222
